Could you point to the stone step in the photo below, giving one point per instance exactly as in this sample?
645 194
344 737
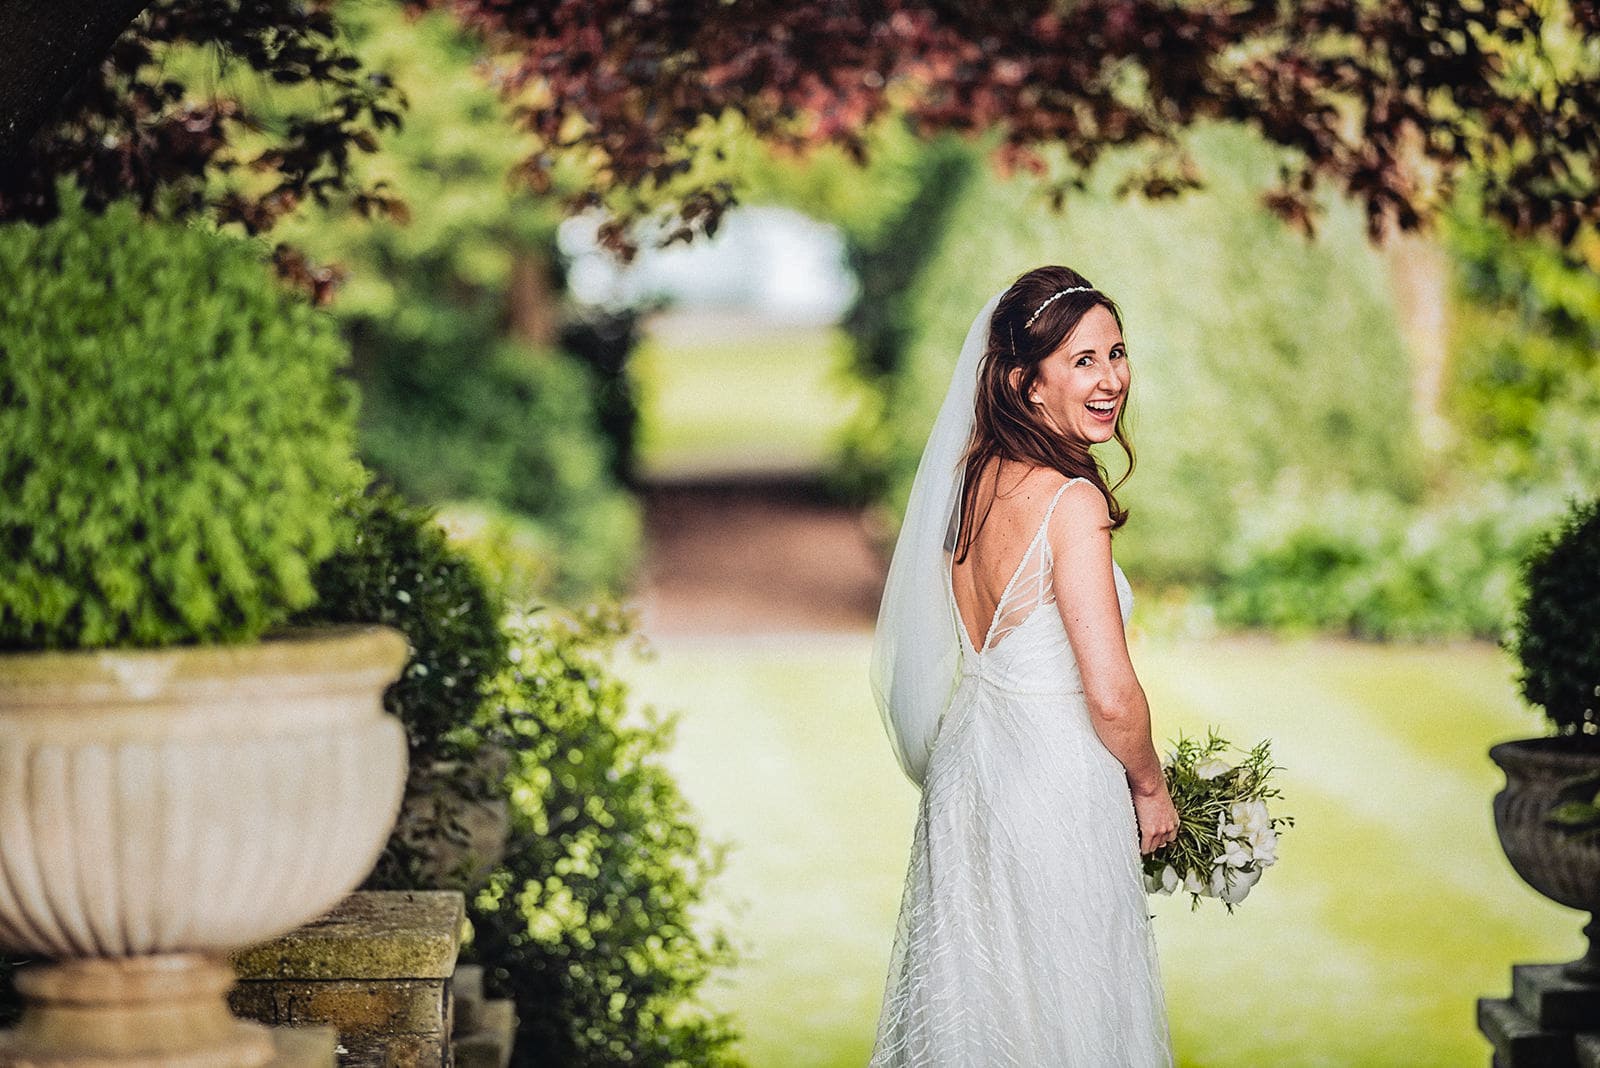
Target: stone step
1554 1002
490 1046
377 968
1517 1040
467 983
1587 1048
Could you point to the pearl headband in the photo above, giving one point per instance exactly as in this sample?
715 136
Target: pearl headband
1053 298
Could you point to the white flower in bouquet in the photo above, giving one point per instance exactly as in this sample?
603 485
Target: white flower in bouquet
1232 888
1264 848
1251 816
1235 854
1227 836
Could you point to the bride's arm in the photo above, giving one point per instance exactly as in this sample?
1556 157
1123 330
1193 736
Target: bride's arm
1086 596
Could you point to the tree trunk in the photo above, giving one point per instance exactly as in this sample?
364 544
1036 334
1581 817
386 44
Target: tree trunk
531 300
1419 273
48 46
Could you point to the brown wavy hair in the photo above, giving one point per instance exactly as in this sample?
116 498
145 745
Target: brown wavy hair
1006 427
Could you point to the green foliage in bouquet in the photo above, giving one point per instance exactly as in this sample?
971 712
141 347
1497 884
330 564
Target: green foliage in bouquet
588 923
1556 636
397 568
175 437
1226 837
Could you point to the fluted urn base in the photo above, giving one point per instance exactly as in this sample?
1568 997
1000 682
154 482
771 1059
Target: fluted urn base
166 1011
161 807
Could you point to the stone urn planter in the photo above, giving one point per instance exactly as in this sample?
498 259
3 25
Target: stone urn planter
161 807
1564 866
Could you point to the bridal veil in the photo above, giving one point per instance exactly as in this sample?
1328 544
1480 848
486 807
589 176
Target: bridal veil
916 650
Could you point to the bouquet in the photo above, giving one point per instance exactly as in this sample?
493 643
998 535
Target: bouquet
1226 837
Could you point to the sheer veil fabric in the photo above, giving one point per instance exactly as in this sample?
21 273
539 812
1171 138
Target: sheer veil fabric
1023 938
916 650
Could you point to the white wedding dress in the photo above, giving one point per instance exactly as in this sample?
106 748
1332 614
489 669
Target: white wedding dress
1023 937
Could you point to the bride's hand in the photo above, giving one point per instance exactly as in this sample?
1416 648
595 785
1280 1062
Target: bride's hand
1158 819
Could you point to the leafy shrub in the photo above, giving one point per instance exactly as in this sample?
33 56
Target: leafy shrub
588 923
1524 379
174 436
516 428
397 569
1373 566
1557 632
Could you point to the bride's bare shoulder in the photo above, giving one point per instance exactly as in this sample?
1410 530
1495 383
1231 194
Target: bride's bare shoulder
1022 492
1081 520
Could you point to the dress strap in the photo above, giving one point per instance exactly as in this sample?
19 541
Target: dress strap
1051 510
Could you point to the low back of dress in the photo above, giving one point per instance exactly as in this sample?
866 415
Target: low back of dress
1025 648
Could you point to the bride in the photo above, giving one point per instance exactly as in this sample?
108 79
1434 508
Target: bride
1002 671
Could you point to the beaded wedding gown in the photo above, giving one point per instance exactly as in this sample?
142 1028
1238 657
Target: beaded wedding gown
1023 937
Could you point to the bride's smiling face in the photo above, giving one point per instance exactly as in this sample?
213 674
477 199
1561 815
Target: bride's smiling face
1081 387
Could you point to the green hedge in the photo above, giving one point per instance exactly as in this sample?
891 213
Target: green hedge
1373 566
516 431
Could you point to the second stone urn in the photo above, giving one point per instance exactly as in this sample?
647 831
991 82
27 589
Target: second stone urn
1560 863
159 808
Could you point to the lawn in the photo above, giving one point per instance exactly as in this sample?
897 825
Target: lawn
724 395
1390 911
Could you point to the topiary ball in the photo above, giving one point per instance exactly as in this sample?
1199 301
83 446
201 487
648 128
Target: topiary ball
173 436
1556 634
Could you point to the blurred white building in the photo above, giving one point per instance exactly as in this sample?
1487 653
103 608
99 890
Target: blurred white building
771 263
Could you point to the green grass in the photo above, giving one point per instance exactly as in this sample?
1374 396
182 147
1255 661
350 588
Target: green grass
1391 910
768 399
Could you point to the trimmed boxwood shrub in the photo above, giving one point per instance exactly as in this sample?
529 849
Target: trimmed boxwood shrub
1556 636
173 437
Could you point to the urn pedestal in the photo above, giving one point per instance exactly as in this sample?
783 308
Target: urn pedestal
159 808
